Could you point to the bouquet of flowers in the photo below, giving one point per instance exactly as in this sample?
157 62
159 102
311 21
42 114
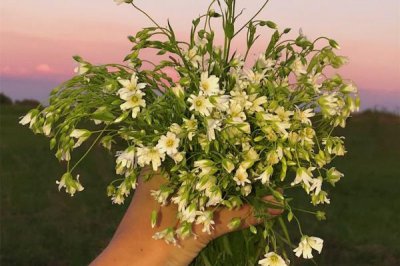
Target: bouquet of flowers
222 130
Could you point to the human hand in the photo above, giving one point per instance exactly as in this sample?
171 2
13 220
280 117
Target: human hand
133 244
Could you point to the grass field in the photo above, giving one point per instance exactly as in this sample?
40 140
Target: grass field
41 226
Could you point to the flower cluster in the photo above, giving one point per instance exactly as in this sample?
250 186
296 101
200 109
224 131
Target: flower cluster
222 131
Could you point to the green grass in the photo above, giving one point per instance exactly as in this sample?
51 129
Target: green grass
41 226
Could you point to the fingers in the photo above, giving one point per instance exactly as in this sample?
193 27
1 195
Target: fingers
224 216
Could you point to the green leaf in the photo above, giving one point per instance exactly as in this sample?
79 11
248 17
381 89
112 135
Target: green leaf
229 30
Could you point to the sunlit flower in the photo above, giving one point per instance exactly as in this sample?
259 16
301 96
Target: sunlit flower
125 161
70 184
133 101
209 85
168 235
304 116
178 91
272 259
212 125
298 67
190 125
205 218
82 68
81 135
30 118
264 63
265 176
307 244
147 156
168 143
130 86
200 104
304 176
241 176
193 57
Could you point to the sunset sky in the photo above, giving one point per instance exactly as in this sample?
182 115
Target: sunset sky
39 37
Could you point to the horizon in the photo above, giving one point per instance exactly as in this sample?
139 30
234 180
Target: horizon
38 44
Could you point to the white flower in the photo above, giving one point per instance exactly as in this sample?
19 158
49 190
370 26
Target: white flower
240 99
246 190
282 114
349 88
205 218
133 101
168 143
130 86
298 67
118 199
71 185
81 135
265 176
272 259
215 197
316 185
265 63
254 77
256 103
209 85
82 68
241 176
200 104
191 126
212 125
175 128
160 196
30 118
303 116
177 157
306 245
304 176
178 91
201 42
168 235
328 104
150 155
125 161
47 129
320 198
193 57
188 214
221 102
333 176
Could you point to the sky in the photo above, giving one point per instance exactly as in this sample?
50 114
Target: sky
39 37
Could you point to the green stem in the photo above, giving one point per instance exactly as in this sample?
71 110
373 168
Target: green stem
90 148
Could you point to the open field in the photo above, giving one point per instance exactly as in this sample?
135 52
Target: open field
41 226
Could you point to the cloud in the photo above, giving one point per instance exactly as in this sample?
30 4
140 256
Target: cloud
44 68
36 71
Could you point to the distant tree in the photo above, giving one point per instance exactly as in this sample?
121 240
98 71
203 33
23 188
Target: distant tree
4 99
28 102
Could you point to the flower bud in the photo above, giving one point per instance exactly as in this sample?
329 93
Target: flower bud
234 223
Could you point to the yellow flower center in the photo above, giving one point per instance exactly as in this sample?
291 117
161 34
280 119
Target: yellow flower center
205 86
274 258
134 99
169 143
199 103
241 177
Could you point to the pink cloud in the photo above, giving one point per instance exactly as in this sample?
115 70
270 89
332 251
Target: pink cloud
44 68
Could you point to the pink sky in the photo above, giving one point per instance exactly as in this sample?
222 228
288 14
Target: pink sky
39 37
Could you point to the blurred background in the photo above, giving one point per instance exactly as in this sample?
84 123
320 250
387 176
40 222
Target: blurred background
41 226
